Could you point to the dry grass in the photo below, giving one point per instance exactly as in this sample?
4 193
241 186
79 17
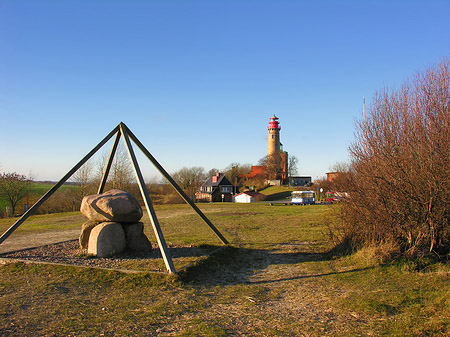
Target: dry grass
275 280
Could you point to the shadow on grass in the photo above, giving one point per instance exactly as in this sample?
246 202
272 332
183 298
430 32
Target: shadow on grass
300 277
277 196
233 265
211 265
180 252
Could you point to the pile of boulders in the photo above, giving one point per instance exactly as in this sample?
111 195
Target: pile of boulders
113 225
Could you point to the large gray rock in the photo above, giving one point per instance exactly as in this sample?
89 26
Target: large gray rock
106 239
86 229
137 241
113 205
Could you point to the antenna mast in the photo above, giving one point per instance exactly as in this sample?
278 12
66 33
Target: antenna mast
364 110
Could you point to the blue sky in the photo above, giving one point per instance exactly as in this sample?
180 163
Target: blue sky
197 81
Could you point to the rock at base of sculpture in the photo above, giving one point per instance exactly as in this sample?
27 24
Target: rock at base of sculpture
113 224
106 239
86 229
114 205
136 240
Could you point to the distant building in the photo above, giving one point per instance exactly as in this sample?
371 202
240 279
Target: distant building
214 188
331 176
300 181
247 197
256 171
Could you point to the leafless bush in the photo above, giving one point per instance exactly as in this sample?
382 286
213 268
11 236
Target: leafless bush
399 181
60 201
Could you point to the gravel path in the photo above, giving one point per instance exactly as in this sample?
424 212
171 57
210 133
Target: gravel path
69 253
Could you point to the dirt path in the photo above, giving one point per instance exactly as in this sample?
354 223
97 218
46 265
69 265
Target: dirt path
19 242
298 300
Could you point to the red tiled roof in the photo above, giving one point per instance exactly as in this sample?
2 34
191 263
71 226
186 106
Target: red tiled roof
255 171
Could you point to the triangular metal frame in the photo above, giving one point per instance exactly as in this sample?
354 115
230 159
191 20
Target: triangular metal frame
122 130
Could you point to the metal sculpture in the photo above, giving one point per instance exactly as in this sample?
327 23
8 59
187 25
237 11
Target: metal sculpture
122 130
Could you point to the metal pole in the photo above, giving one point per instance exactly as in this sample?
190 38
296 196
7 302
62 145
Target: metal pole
47 195
172 182
109 163
148 204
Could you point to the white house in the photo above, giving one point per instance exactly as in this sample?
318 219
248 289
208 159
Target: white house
247 197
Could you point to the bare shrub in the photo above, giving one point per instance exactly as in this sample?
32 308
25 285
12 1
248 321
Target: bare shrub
162 193
60 201
84 178
398 183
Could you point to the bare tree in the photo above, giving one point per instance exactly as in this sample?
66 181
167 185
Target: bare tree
190 179
83 177
14 187
340 167
212 172
262 161
292 167
399 179
234 171
273 164
121 175
273 167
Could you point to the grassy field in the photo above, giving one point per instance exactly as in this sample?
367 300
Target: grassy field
275 279
41 188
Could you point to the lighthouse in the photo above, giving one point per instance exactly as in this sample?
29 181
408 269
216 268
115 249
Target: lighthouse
274 128
277 159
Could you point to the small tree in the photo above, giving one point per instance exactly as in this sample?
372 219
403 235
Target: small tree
190 179
343 171
121 171
14 187
83 178
121 175
234 171
212 172
273 167
292 167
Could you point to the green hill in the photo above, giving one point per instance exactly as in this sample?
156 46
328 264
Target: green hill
277 192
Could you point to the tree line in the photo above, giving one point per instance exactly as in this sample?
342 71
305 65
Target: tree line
14 187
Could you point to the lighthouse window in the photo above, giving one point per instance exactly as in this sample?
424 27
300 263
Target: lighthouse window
273 136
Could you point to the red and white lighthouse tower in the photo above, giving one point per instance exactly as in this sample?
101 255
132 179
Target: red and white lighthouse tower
277 159
273 145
